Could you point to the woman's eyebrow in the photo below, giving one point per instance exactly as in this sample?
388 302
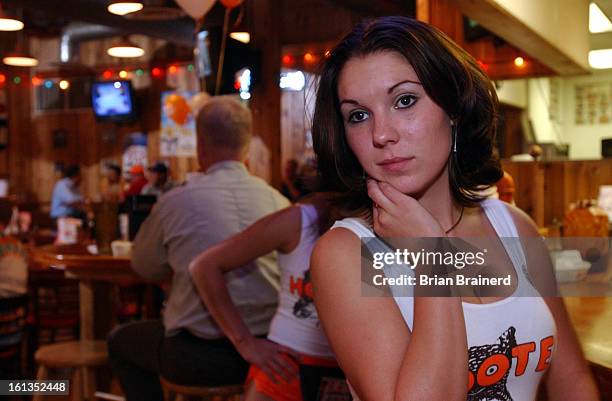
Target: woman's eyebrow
408 81
350 101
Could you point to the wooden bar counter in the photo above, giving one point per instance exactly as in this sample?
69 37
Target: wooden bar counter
592 320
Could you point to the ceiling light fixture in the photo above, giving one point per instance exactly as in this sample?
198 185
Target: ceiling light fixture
9 22
20 60
600 59
519 61
598 21
124 7
243 37
125 49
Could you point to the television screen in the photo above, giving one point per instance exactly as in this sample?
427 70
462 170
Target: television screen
113 100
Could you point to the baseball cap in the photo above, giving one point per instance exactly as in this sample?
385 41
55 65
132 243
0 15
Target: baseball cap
136 169
159 167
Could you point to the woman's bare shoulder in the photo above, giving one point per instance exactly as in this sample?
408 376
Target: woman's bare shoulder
336 245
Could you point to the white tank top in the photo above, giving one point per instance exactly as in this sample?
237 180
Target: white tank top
510 341
296 323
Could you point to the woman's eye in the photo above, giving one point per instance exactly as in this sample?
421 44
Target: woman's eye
405 101
357 116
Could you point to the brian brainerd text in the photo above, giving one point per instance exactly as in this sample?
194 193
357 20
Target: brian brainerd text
435 280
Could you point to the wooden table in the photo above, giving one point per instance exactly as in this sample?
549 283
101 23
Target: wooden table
78 263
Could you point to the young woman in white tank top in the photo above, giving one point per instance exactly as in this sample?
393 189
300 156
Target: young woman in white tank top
403 131
295 339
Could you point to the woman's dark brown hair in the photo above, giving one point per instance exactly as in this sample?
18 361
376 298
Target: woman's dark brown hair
451 78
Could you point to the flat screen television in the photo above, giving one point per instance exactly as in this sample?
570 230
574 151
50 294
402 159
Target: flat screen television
113 100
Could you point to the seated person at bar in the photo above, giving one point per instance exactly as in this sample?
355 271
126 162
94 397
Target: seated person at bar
189 348
67 200
137 181
111 190
159 181
13 260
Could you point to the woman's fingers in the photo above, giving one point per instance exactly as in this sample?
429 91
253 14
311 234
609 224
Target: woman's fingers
270 373
293 354
394 195
283 368
378 197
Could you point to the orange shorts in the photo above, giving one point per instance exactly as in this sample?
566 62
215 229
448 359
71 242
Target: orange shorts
283 390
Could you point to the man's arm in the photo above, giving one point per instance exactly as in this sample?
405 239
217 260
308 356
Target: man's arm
149 257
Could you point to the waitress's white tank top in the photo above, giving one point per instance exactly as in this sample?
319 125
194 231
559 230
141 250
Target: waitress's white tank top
511 341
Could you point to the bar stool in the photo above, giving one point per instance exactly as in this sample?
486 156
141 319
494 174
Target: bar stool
80 356
179 392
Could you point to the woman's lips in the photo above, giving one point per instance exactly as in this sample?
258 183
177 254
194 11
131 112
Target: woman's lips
396 164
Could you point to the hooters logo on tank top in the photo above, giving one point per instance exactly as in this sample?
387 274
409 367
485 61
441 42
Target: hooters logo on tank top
490 365
301 287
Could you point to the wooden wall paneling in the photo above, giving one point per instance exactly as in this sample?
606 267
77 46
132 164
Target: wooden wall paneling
264 19
538 194
422 10
313 21
527 194
4 153
555 183
445 15
545 190
293 127
90 145
18 104
512 139
44 155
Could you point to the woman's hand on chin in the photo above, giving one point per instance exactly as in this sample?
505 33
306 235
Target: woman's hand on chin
398 215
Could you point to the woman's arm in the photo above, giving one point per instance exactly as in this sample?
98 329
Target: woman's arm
569 377
278 231
568 362
381 358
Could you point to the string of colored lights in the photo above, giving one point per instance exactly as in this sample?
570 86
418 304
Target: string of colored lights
106 74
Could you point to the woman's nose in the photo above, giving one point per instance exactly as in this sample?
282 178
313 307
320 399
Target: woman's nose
384 132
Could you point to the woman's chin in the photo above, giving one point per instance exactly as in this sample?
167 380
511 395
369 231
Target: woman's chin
405 185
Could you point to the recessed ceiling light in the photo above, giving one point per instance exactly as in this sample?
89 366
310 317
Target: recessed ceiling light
124 7
598 21
600 59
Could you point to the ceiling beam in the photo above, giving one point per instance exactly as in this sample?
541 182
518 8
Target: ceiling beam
379 7
605 7
601 40
498 20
